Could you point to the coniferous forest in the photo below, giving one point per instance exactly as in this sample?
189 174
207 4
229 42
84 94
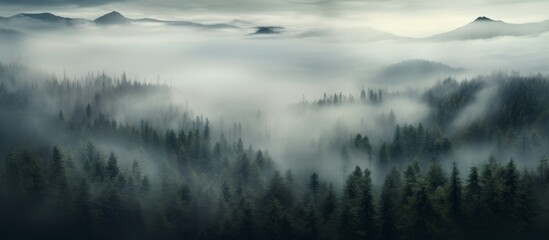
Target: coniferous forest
107 157
274 120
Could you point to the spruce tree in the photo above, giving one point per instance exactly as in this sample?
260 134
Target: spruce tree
388 207
366 208
112 166
455 193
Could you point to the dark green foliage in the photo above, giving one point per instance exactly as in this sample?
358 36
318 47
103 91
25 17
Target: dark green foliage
383 155
362 143
366 211
410 179
314 187
423 221
412 143
509 194
209 188
278 224
329 204
389 207
454 191
278 190
543 170
311 225
58 176
449 97
118 207
112 166
435 176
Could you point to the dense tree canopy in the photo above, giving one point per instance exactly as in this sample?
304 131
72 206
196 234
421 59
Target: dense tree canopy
84 172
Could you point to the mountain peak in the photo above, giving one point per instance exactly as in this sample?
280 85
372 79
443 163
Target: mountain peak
113 17
114 13
267 30
483 19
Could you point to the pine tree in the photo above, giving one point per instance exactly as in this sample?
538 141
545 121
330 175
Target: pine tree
543 170
349 219
279 191
245 172
278 224
435 176
13 175
473 200
473 189
410 179
58 180
83 210
57 172
366 210
260 162
454 193
423 221
172 144
110 205
311 225
329 204
527 206
183 159
388 207
351 190
348 222
112 167
314 187
383 155
509 195
240 147
246 222
145 185
396 147
491 188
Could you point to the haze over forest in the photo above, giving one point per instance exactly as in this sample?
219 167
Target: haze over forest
266 119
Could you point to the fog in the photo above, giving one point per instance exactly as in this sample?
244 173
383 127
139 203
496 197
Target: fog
229 75
274 119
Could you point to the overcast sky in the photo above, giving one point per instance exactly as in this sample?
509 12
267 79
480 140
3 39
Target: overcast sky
403 17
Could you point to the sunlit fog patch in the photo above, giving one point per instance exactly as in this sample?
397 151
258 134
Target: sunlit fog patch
477 109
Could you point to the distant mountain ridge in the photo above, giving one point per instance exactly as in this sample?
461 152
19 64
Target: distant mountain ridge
486 28
481 28
46 17
48 20
116 18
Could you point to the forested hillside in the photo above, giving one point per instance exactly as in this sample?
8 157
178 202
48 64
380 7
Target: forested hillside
105 157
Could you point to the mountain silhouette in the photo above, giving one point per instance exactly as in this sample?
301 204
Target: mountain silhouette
480 28
48 21
486 28
267 30
41 18
483 18
416 70
112 18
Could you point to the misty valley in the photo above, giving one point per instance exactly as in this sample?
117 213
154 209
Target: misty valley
164 172
269 127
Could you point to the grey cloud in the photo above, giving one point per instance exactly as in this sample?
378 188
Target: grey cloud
58 2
